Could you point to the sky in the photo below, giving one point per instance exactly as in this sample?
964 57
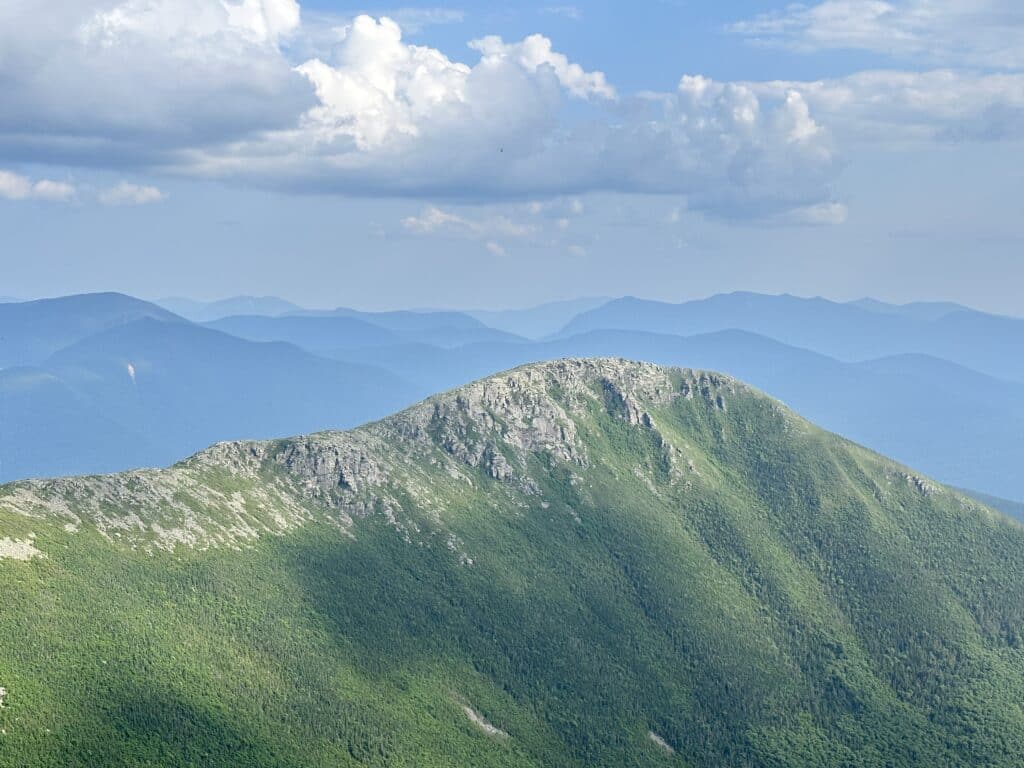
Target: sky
482 155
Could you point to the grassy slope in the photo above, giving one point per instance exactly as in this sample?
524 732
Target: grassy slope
790 600
1014 509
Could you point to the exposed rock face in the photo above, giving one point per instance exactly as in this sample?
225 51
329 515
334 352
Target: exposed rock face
661 742
235 492
481 722
210 500
17 549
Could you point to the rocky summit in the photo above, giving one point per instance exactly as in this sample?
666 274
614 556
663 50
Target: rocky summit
576 563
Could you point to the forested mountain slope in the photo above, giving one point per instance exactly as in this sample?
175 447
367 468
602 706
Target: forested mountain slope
576 563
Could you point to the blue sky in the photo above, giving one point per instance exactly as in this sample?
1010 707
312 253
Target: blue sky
474 155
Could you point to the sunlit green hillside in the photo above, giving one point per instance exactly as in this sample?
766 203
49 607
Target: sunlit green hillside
578 563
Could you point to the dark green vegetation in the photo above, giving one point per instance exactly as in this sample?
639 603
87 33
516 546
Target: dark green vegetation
584 553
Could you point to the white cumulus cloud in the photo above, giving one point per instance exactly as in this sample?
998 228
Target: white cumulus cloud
535 52
400 119
207 88
380 88
187 22
131 82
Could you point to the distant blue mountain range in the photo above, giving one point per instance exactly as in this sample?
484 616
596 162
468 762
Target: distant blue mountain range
206 311
102 382
31 331
540 321
856 331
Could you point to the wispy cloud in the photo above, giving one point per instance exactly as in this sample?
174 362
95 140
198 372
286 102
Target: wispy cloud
490 231
434 220
125 193
573 12
983 33
14 186
821 214
414 20
559 208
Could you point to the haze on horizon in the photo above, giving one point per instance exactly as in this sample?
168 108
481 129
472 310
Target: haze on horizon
483 157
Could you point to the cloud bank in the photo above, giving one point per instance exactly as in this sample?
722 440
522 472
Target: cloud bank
401 119
892 108
250 91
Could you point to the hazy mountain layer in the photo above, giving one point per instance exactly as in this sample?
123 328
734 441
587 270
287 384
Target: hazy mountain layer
539 321
207 311
990 344
580 563
80 410
148 393
349 330
31 331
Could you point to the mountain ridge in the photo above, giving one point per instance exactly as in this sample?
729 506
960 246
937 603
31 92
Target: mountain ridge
164 390
353 464
572 564
31 331
990 344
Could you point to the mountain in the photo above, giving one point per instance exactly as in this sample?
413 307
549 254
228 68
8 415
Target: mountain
31 331
207 311
439 328
990 344
924 310
150 392
540 321
327 333
314 334
47 427
579 563
405 320
954 423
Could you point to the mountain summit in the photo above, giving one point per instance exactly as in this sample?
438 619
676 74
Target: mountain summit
575 563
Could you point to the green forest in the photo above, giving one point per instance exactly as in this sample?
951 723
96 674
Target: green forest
573 564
